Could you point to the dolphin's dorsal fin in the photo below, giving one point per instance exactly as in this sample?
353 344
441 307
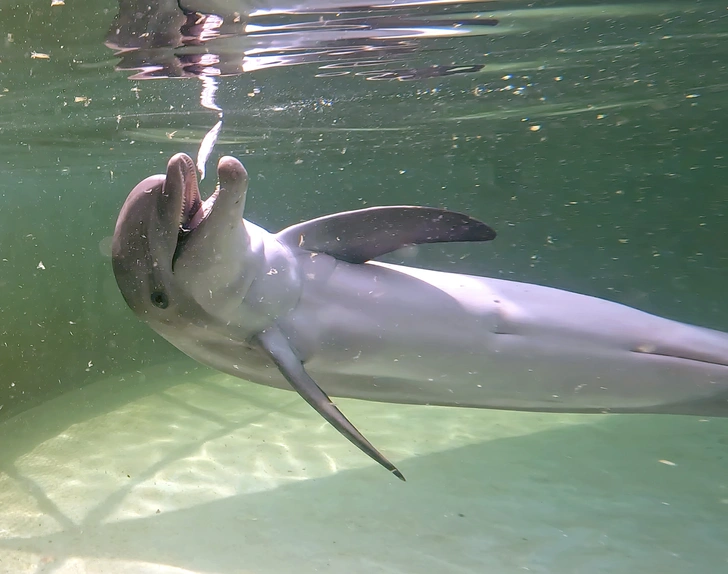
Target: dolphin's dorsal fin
364 234
275 345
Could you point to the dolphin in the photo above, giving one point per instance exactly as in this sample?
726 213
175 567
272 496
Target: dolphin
307 308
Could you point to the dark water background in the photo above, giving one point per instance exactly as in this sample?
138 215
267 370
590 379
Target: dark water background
592 136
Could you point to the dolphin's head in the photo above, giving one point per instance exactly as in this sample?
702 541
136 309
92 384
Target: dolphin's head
170 249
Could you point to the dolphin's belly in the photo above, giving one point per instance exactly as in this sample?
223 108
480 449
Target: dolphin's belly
524 378
416 336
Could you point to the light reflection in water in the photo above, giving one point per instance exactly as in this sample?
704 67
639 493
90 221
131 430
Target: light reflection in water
165 40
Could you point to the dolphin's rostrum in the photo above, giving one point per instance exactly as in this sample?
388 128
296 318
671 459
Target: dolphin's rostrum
307 307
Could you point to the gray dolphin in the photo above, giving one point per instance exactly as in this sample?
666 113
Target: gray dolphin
307 308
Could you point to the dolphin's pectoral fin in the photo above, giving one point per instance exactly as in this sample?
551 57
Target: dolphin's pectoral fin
364 234
274 343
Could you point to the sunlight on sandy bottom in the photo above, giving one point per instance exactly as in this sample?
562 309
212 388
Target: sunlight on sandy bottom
199 472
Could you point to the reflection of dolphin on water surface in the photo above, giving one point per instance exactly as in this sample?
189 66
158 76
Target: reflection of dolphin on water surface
176 38
307 307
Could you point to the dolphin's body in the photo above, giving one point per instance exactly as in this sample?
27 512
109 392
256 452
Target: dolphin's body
307 308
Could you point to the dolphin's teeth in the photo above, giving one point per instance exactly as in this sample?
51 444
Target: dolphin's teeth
182 212
190 194
200 210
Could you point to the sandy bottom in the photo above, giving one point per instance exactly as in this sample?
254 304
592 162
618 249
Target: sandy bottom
175 472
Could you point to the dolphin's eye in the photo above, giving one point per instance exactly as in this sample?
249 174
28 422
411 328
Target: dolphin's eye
159 299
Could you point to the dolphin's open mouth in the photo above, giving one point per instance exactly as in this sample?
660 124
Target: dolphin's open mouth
193 210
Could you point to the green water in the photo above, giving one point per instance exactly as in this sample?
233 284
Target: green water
592 139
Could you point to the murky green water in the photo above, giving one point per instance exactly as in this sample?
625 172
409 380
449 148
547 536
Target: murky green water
590 135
